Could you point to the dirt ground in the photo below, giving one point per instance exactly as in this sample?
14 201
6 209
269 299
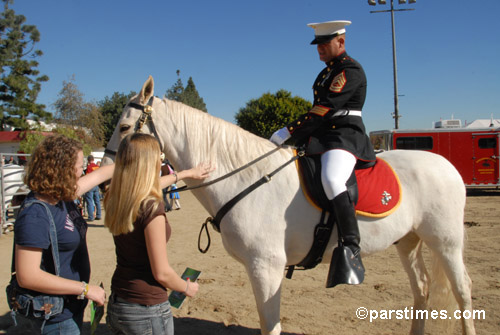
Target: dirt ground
225 303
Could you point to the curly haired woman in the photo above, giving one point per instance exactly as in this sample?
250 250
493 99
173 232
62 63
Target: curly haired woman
54 176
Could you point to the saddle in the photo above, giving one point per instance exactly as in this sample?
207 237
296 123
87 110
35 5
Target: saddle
373 186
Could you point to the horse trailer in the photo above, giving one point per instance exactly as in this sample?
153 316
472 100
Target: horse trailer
473 151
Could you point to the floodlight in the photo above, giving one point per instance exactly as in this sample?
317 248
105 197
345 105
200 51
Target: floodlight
382 2
372 2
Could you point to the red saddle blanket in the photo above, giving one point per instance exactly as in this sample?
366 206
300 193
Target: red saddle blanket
379 190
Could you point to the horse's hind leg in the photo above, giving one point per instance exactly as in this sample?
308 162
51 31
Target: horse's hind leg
266 275
450 258
410 253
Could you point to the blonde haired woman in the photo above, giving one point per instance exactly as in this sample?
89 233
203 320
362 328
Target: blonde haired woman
135 215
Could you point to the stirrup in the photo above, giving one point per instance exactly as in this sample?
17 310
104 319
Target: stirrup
345 268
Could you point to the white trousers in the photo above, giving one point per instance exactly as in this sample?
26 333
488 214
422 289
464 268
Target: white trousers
336 168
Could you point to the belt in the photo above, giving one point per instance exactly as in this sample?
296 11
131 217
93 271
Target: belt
345 112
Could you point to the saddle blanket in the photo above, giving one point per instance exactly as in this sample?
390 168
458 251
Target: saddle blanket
379 190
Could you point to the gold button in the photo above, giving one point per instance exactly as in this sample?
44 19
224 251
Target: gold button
328 69
291 128
333 127
298 123
315 92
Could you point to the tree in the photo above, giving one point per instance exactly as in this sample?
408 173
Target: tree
32 138
188 95
70 104
265 115
20 81
111 110
175 92
192 98
83 117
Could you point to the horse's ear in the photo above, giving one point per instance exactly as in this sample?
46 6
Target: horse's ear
147 90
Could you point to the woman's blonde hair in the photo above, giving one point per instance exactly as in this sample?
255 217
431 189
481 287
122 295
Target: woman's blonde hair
135 183
51 168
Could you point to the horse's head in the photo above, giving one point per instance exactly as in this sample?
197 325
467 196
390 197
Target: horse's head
136 117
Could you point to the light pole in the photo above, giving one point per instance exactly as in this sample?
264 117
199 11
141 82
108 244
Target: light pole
396 115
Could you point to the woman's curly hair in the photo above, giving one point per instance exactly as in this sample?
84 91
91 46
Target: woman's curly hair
51 169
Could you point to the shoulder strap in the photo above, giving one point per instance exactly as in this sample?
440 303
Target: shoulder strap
52 235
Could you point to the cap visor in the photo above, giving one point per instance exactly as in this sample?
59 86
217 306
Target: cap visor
323 39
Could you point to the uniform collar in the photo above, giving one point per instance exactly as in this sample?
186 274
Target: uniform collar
336 59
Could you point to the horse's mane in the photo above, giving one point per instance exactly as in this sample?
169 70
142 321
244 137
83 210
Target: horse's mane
211 138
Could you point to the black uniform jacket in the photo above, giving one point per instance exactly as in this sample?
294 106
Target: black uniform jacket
340 86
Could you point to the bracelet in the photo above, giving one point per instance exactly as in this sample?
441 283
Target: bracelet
187 287
85 291
175 174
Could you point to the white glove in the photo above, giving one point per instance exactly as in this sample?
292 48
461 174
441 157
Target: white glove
280 136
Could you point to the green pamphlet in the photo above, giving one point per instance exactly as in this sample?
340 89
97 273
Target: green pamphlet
177 298
96 314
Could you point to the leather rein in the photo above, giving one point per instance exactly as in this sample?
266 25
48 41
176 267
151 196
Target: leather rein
145 117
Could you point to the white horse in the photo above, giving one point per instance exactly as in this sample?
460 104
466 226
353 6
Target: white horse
273 226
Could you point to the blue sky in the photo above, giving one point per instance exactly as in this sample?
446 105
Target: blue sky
448 52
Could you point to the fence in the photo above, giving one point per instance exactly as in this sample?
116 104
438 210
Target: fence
12 187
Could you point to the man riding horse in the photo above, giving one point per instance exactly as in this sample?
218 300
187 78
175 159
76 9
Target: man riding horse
334 129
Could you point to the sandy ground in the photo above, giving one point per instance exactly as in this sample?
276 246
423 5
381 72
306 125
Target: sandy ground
225 303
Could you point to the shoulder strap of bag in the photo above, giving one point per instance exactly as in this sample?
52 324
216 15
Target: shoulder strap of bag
52 235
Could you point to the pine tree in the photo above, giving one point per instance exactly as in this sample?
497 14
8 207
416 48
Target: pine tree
20 81
175 92
188 95
192 98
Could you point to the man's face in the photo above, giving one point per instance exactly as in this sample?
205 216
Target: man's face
328 51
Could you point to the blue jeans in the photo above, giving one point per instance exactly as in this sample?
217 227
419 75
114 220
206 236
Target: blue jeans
93 197
70 326
124 318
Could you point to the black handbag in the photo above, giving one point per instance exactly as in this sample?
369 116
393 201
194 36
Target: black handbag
32 304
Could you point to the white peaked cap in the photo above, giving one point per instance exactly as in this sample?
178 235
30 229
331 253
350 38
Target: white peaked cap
326 31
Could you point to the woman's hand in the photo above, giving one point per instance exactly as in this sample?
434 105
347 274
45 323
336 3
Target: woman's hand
191 288
96 294
201 171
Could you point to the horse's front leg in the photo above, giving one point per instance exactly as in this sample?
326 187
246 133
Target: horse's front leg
266 274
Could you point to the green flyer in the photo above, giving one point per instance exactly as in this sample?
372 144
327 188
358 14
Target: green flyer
177 298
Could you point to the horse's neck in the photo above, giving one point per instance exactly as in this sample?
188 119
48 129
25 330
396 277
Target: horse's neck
191 137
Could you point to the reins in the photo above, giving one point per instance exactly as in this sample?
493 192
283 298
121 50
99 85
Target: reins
241 168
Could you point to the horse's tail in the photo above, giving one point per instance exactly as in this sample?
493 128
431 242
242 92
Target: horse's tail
441 303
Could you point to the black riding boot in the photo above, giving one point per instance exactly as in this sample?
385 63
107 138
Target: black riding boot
346 266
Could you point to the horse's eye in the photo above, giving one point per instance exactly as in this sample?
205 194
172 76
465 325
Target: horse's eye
124 128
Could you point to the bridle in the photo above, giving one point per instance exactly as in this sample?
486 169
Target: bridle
145 117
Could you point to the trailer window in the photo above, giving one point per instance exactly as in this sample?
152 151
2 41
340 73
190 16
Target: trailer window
487 143
414 143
